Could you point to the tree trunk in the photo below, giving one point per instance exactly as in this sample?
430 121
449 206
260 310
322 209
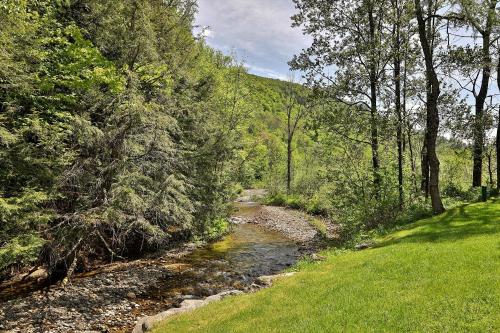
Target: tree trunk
479 119
407 117
412 158
498 127
425 168
397 81
479 131
424 186
432 112
399 135
373 106
289 165
490 169
498 140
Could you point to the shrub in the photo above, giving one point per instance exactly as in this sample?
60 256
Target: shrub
455 192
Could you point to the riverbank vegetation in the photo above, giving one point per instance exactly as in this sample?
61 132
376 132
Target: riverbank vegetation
122 132
437 274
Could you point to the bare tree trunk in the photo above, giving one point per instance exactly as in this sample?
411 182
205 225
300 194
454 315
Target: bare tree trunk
479 131
498 139
397 81
498 127
409 129
289 165
490 169
479 119
424 167
412 157
292 125
373 106
432 112
399 135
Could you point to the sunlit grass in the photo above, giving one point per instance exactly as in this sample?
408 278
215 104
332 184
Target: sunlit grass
438 275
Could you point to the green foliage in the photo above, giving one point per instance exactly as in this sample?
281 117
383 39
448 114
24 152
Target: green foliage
117 130
216 229
20 251
19 218
453 191
332 173
320 226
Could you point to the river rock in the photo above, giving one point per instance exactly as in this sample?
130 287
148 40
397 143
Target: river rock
317 257
365 245
236 220
146 324
191 304
190 297
267 280
222 295
264 280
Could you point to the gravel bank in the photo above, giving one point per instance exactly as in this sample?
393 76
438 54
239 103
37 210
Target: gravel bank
293 224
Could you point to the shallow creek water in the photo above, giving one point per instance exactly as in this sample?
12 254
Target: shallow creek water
232 263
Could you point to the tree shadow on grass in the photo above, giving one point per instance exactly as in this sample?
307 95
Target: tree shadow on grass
456 224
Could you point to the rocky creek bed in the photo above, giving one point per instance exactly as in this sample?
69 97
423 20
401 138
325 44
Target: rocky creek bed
265 241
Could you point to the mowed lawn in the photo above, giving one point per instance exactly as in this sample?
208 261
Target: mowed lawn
438 275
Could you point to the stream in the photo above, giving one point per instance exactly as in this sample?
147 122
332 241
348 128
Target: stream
248 252
112 301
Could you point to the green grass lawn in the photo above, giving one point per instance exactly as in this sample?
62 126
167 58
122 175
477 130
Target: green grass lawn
438 275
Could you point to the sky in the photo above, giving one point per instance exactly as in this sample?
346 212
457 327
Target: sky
259 32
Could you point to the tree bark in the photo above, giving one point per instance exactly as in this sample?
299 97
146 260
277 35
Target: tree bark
408 124
397 82
498 141
425 170
490 169
289 165
477 174
292 124
432 122
412 157
373 104
498 127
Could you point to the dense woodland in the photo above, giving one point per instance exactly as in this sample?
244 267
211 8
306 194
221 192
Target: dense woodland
122 132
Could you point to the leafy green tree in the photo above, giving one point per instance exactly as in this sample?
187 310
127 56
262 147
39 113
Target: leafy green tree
475 65
349 37
116 131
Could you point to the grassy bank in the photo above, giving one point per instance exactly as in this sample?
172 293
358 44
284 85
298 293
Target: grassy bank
438 275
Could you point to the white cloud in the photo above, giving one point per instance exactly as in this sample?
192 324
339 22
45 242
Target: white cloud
267 72
258 30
